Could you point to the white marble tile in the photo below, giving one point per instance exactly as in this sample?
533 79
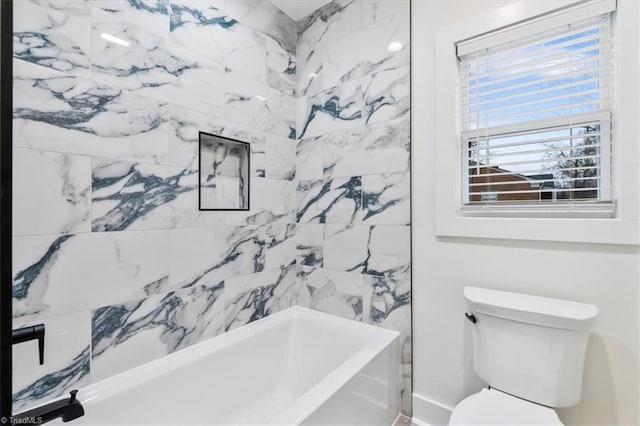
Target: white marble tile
281 158
57 112
281 68
387 301
376 10
336 200
151 66
406 368
334 109
389 250
381 148
331 110
54 275
206 29
309 72
255 104
365 52
53 33
309 159
133 333
51 193
199 84
183 140
329 23
66 367
280 243
230 193
139 60
265 18
334 292
387 95
256 296
271 201
386 199
137 196
346 247
309 241
151 15
210 255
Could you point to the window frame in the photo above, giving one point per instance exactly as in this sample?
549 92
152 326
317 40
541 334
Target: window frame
601 117
578 223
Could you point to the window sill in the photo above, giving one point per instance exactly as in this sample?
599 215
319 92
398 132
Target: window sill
603 210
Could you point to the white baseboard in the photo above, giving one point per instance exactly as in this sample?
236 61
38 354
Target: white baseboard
427 412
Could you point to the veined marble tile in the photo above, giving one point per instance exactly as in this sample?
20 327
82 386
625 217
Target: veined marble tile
183 141
387 301
66 366
389 250
280 242
281 158
145 196
272 201
346 247
387 95
381 148
281 68
127 335
56 112
151 66
256 296
405 372
200 83
152 15
365 52
205 28
328 23
53 33
254 104
376 10
51 193
210 255
334 292
386 199
309 159
54 275
336 200
309 240
337 108
309 72
267 19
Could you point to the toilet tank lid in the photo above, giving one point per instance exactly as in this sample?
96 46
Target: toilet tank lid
531 309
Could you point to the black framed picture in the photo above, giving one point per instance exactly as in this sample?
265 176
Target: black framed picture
224 173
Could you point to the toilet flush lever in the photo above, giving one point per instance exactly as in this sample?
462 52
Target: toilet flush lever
471 317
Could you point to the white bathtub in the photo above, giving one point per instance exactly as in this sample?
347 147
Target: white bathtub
295 367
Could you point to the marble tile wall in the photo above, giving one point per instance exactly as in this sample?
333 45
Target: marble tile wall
352 166
110 250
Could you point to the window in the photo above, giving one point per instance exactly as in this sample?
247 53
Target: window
535 119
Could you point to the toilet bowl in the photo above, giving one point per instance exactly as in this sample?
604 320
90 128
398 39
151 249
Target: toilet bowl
530 351
493 407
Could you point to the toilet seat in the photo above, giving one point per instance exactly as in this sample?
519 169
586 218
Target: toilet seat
492 407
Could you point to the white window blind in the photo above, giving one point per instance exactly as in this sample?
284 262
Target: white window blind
535 118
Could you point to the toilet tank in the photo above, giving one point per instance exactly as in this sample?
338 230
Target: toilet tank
528 346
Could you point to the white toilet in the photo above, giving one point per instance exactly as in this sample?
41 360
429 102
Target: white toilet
530 351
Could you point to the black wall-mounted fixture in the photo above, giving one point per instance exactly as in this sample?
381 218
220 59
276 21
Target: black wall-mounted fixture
66 409
6 144
32 332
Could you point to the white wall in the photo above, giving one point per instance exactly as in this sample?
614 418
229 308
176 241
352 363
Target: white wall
605 275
